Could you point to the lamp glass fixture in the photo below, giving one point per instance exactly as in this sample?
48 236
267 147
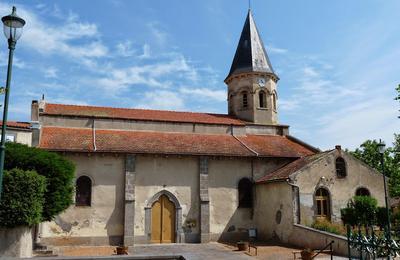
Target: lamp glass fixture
381 147
12 25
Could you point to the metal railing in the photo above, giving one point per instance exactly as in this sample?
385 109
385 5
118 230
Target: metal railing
370 245
323 250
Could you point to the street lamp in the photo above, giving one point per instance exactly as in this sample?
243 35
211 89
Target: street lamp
381 149
12 25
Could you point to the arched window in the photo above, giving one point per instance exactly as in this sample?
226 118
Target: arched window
262 99
274 100
363 192
245 188
322 201
83 195
245 103
340 167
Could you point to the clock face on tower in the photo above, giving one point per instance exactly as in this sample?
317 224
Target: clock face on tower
261 82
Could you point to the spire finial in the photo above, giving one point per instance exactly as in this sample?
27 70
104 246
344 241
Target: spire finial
249 4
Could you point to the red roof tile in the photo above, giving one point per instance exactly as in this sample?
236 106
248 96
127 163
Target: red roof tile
275 146
290 168
140 114
14 124
81 139
74 139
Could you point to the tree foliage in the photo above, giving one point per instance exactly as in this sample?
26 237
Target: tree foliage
360 210
59 173
368 153
22 198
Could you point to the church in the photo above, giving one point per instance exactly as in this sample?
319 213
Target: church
153 176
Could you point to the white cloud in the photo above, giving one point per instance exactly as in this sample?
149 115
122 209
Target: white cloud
16 61
146 52
124 49
150 75
162 100
288 105
159 35
272 49
72 38
352 125
217 95
51 72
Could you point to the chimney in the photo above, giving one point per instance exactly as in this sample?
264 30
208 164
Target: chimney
35 111
338 147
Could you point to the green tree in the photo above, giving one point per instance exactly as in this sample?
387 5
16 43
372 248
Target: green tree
368 153
360 210
59 173
22 198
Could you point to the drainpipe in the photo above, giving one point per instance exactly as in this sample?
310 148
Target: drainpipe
94 135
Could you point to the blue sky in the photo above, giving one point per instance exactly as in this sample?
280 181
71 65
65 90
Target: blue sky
338 61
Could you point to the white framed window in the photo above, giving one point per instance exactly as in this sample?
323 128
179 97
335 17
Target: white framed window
10 138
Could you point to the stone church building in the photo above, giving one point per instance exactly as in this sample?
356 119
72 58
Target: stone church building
152 176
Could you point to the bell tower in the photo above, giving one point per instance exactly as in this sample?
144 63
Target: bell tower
251 80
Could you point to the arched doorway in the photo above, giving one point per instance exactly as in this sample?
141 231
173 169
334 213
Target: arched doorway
159 204
163 221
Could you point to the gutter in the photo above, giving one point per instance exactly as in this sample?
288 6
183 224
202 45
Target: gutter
94 135
245 145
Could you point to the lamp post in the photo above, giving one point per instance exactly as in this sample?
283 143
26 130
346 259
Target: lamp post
12 25
381 148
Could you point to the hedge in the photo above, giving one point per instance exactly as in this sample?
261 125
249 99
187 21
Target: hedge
22 198
59 173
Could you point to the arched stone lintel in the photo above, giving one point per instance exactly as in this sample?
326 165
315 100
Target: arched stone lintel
179 236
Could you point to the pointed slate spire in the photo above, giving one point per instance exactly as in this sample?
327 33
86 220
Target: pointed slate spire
250 55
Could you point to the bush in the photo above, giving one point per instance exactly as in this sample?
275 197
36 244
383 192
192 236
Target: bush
59 173
348 216
365 208
360 210
381 217
22 198
325 225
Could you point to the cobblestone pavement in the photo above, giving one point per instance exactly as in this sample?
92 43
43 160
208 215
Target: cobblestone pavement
189 251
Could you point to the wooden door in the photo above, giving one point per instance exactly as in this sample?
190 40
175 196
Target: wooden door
163 221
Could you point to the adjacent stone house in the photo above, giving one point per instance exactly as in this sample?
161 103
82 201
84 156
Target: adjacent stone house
150 176
19 132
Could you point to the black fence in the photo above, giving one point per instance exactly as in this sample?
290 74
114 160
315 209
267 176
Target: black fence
369 243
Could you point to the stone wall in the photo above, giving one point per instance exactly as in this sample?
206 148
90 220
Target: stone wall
179 176
317 239
274 211
322 173
227 221
102 222
16 242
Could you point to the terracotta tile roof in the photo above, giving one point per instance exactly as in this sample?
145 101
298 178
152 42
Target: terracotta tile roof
14 124
275 146
140 114
290 168
81 140
78 139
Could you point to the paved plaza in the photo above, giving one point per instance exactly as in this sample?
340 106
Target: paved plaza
188 251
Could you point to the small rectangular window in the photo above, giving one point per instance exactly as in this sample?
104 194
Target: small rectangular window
10 138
